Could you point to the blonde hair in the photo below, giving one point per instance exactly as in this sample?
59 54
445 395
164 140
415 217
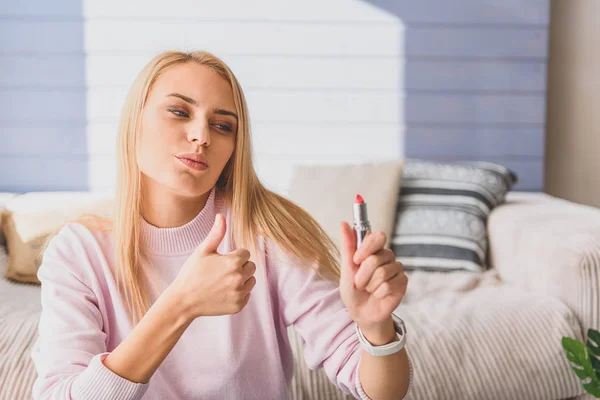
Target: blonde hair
255 210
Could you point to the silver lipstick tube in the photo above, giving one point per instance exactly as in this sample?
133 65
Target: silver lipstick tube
362 226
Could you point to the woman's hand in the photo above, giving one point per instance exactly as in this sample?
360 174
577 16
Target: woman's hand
372 282
210 283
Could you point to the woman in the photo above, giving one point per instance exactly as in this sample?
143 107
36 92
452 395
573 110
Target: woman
163 302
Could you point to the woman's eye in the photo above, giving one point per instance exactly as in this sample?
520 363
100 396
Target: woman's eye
222 127
179 113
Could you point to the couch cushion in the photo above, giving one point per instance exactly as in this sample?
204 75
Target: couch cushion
472 337
29 220
550 246
442 213
498 341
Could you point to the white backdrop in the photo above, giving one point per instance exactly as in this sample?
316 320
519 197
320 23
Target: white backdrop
323 79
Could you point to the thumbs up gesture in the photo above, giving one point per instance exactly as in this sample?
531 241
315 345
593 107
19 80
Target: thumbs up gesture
372 282
210 283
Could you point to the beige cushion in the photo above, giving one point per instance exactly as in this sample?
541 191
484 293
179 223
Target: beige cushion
29 220
327 192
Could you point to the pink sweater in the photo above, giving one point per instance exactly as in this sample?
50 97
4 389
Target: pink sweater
242 356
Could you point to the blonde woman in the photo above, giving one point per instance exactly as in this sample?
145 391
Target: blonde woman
163 301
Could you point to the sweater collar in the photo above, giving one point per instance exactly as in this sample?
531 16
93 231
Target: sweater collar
185 238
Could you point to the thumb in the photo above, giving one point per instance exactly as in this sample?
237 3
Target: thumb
215 236
348 248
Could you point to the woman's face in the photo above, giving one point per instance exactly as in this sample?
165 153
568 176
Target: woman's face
188 130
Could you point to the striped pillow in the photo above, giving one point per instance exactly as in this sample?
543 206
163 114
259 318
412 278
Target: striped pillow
442 213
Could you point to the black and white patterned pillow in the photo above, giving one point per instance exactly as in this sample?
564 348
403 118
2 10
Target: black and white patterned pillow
442 213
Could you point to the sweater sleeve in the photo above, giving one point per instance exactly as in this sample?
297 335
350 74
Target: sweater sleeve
71 344
314 307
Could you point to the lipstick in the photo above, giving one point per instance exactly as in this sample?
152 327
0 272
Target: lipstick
362 226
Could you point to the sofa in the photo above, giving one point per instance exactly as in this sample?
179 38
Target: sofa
489 335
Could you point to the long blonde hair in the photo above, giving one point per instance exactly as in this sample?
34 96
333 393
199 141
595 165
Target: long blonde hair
255 210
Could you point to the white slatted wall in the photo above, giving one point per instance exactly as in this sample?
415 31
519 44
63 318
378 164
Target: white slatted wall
323 80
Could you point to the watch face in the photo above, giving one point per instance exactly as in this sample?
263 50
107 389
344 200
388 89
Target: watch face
401 327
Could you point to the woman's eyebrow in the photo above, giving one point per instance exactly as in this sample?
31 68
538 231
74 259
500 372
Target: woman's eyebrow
225 112
184 98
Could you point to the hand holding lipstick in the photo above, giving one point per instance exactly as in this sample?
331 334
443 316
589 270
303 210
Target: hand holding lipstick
372 282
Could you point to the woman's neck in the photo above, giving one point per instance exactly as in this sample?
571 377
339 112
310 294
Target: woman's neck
165 209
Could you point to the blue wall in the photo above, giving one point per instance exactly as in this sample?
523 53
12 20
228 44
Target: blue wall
42 96
475 78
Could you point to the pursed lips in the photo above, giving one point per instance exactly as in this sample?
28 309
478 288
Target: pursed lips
196 161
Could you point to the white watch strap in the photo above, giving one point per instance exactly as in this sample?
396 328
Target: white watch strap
389 348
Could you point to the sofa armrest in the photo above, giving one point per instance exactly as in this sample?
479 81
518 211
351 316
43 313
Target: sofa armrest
552 247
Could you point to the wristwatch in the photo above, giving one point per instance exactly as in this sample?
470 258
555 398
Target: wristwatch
389 348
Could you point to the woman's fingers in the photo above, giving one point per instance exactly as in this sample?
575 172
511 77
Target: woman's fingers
397 286
369 266
371 245
382 274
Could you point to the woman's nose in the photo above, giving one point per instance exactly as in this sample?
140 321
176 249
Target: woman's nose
199 134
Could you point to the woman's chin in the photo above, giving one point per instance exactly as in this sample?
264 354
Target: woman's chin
192 189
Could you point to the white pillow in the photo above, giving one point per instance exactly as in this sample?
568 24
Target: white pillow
327 192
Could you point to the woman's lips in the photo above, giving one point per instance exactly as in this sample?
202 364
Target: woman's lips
196 165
